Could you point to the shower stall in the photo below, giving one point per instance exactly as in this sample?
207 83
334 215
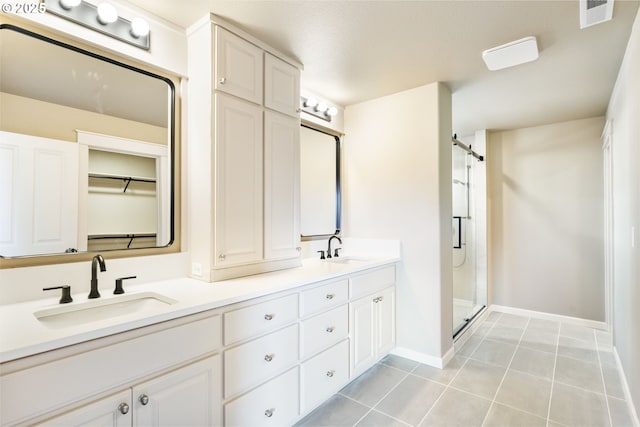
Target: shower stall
468 229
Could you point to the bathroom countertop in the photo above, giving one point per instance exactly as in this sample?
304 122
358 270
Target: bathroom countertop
22 334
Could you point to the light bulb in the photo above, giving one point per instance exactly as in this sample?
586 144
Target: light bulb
68 4
332 111
321 108
107 13
139 27
311 102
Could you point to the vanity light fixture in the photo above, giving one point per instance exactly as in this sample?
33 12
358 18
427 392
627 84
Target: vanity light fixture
310 102
318 109
104 19
69 4
107 14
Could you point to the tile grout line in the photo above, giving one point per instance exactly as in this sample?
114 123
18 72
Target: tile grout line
505 372
386 394
553 375
448 385
604 384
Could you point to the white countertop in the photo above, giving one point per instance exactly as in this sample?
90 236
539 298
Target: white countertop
22 334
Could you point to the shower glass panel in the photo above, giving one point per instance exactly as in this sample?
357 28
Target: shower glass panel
466 302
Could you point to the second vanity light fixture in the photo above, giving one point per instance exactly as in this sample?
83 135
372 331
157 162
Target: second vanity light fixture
103 18
316 108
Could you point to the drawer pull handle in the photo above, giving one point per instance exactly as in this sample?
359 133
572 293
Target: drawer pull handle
269 357
222 80
123 408
269 412
330 329
330 296
143 399
268 316
330 373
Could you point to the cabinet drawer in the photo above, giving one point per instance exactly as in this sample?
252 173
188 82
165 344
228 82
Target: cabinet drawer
323 330
272 404
323 297
373 281
253 320
251 363
323 375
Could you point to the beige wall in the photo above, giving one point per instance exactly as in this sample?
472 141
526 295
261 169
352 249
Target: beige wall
397 185
624 114
32 117
546 230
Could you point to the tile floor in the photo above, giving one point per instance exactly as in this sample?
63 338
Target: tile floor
514 371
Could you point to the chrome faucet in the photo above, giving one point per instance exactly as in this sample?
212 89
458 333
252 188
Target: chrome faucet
329 247
94 275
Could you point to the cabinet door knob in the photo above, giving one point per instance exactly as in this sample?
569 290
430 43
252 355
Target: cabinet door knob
123 408
143 399
330 373
268 316
222 80
330 329
380 298
222 256
269 412
376 300
299 249
269 357
330 296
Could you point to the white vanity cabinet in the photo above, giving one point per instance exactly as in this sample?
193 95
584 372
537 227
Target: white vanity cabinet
371 318
243 126
185 396
173 364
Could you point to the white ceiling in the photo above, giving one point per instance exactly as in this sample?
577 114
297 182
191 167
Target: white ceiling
354 51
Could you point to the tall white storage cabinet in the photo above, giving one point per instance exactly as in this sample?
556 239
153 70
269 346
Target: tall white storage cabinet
243 154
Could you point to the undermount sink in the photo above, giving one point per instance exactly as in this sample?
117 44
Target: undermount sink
66 315
348 260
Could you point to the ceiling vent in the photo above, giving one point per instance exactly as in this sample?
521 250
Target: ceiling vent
510 54
594 12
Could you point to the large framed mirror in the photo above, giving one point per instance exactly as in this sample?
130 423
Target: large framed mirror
319 183
87 147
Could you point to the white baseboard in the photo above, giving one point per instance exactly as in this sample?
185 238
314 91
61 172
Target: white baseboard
549 316
427 359
627 392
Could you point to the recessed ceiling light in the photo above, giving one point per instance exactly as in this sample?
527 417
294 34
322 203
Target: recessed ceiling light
510 54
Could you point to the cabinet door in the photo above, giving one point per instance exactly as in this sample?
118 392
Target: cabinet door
282 186
189 396
386 321
238 66
362 323
282 86
238 182
112 411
